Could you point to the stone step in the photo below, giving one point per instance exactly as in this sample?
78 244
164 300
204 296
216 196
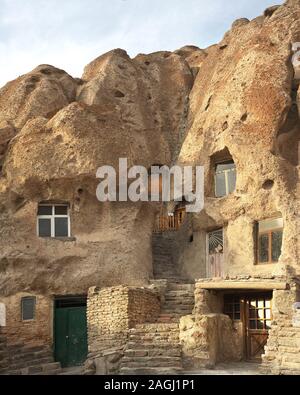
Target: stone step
156 352
156 327
189 300
289 372
45 369
30 356
151 346
176 311
291 365
156 341
291 358
151 362
168 305
169 371
32 363
180 293
177 286
170 319
55 372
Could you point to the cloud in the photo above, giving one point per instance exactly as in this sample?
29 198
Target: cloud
71 33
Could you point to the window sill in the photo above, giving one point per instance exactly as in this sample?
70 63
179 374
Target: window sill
266 263
63 239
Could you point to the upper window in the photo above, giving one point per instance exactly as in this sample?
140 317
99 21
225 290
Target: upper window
225 178
53 220
269 241
28 308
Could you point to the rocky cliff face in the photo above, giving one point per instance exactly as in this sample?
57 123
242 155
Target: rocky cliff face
245 102
55 131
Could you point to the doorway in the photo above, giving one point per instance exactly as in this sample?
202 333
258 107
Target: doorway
70 331
254 310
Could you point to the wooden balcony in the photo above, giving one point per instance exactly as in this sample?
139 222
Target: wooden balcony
171 223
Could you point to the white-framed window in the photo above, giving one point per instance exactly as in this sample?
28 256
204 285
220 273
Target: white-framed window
53 220
225 178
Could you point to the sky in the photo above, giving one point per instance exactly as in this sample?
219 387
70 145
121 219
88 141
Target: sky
70 33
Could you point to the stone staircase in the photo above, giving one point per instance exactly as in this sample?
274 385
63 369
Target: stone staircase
163 246
19 359
154 348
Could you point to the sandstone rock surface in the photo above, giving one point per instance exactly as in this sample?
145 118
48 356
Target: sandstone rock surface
186 106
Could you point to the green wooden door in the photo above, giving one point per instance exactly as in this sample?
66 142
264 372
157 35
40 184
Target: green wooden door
71 336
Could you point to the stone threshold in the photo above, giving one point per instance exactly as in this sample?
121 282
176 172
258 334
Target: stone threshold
247 284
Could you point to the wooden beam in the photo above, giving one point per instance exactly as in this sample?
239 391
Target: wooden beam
259 285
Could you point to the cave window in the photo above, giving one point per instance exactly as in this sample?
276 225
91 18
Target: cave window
269 240
28 305
53 220
225 178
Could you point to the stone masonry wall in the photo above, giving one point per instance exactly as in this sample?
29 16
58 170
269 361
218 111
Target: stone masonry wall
143 306
36 332
208 336
283 348
112 312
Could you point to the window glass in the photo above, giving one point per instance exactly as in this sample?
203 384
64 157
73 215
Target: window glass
253 324
28 308
231 180
276 245
263 244
267 225
45 210
225 178
61 227
220 185
225 166
61 210
44 227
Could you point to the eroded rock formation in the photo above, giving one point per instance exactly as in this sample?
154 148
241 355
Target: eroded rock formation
55 131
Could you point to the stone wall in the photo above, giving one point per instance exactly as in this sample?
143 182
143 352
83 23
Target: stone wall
111 312
208 336
283 348
34 333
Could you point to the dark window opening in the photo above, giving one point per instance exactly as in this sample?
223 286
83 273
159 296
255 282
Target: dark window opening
70 301
232 307
28 305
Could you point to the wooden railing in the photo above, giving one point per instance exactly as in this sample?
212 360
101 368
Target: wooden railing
170 223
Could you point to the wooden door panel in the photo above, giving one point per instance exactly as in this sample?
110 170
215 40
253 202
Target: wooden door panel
70 336
255 312
257 342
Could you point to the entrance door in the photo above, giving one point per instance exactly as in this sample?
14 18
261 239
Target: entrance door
258 316
255 312
71 332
